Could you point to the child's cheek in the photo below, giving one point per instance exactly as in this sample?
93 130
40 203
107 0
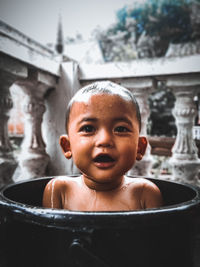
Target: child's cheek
83 141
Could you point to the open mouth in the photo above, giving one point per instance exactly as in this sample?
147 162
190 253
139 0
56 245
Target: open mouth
104 161
103 158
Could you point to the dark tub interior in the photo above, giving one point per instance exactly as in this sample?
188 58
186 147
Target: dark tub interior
31 192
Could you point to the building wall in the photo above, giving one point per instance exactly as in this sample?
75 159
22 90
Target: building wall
54 119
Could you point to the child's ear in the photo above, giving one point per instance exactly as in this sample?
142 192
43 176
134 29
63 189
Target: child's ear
142 145
65 145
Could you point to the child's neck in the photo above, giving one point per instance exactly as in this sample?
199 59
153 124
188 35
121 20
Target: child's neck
93 185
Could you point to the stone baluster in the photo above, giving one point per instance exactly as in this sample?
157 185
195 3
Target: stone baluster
7 161
184 161
142 88
33 159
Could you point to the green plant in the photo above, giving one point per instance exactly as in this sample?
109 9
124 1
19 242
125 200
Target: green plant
168 18
161 22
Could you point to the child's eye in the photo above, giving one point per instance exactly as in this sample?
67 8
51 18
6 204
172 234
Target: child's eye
87 129
121 129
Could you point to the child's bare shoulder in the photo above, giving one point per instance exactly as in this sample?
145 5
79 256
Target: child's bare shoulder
55 190
139 182
150 194
61 183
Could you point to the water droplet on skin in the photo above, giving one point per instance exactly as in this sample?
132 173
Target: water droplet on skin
124 187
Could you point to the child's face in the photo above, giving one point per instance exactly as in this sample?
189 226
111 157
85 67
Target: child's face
103 136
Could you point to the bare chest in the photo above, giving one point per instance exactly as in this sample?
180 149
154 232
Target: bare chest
102 201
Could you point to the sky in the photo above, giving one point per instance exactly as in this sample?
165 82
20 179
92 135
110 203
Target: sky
39 18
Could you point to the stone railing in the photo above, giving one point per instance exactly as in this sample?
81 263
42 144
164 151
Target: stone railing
30 66
34 70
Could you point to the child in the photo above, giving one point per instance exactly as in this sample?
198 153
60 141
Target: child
103 124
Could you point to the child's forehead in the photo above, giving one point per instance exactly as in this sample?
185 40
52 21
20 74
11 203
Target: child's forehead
103 102
103 99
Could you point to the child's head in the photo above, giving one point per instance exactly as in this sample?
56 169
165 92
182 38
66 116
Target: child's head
104 87
103 124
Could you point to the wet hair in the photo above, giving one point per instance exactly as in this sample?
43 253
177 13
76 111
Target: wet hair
103 87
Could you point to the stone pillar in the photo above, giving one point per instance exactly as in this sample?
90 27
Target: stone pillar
33 158
142 88
7 161
184 161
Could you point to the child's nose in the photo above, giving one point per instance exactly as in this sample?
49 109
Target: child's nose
104 138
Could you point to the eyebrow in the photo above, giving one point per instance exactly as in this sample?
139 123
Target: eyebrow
117 119
87 119
124 119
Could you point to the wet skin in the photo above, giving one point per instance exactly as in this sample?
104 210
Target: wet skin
103 140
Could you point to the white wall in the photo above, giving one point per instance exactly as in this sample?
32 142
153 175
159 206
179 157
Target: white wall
54 119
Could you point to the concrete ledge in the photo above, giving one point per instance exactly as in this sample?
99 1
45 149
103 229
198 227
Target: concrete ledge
156 67
19 46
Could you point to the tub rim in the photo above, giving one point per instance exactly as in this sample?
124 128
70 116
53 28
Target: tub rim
59 218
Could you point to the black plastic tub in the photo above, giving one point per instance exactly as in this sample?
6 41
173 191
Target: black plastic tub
33 236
